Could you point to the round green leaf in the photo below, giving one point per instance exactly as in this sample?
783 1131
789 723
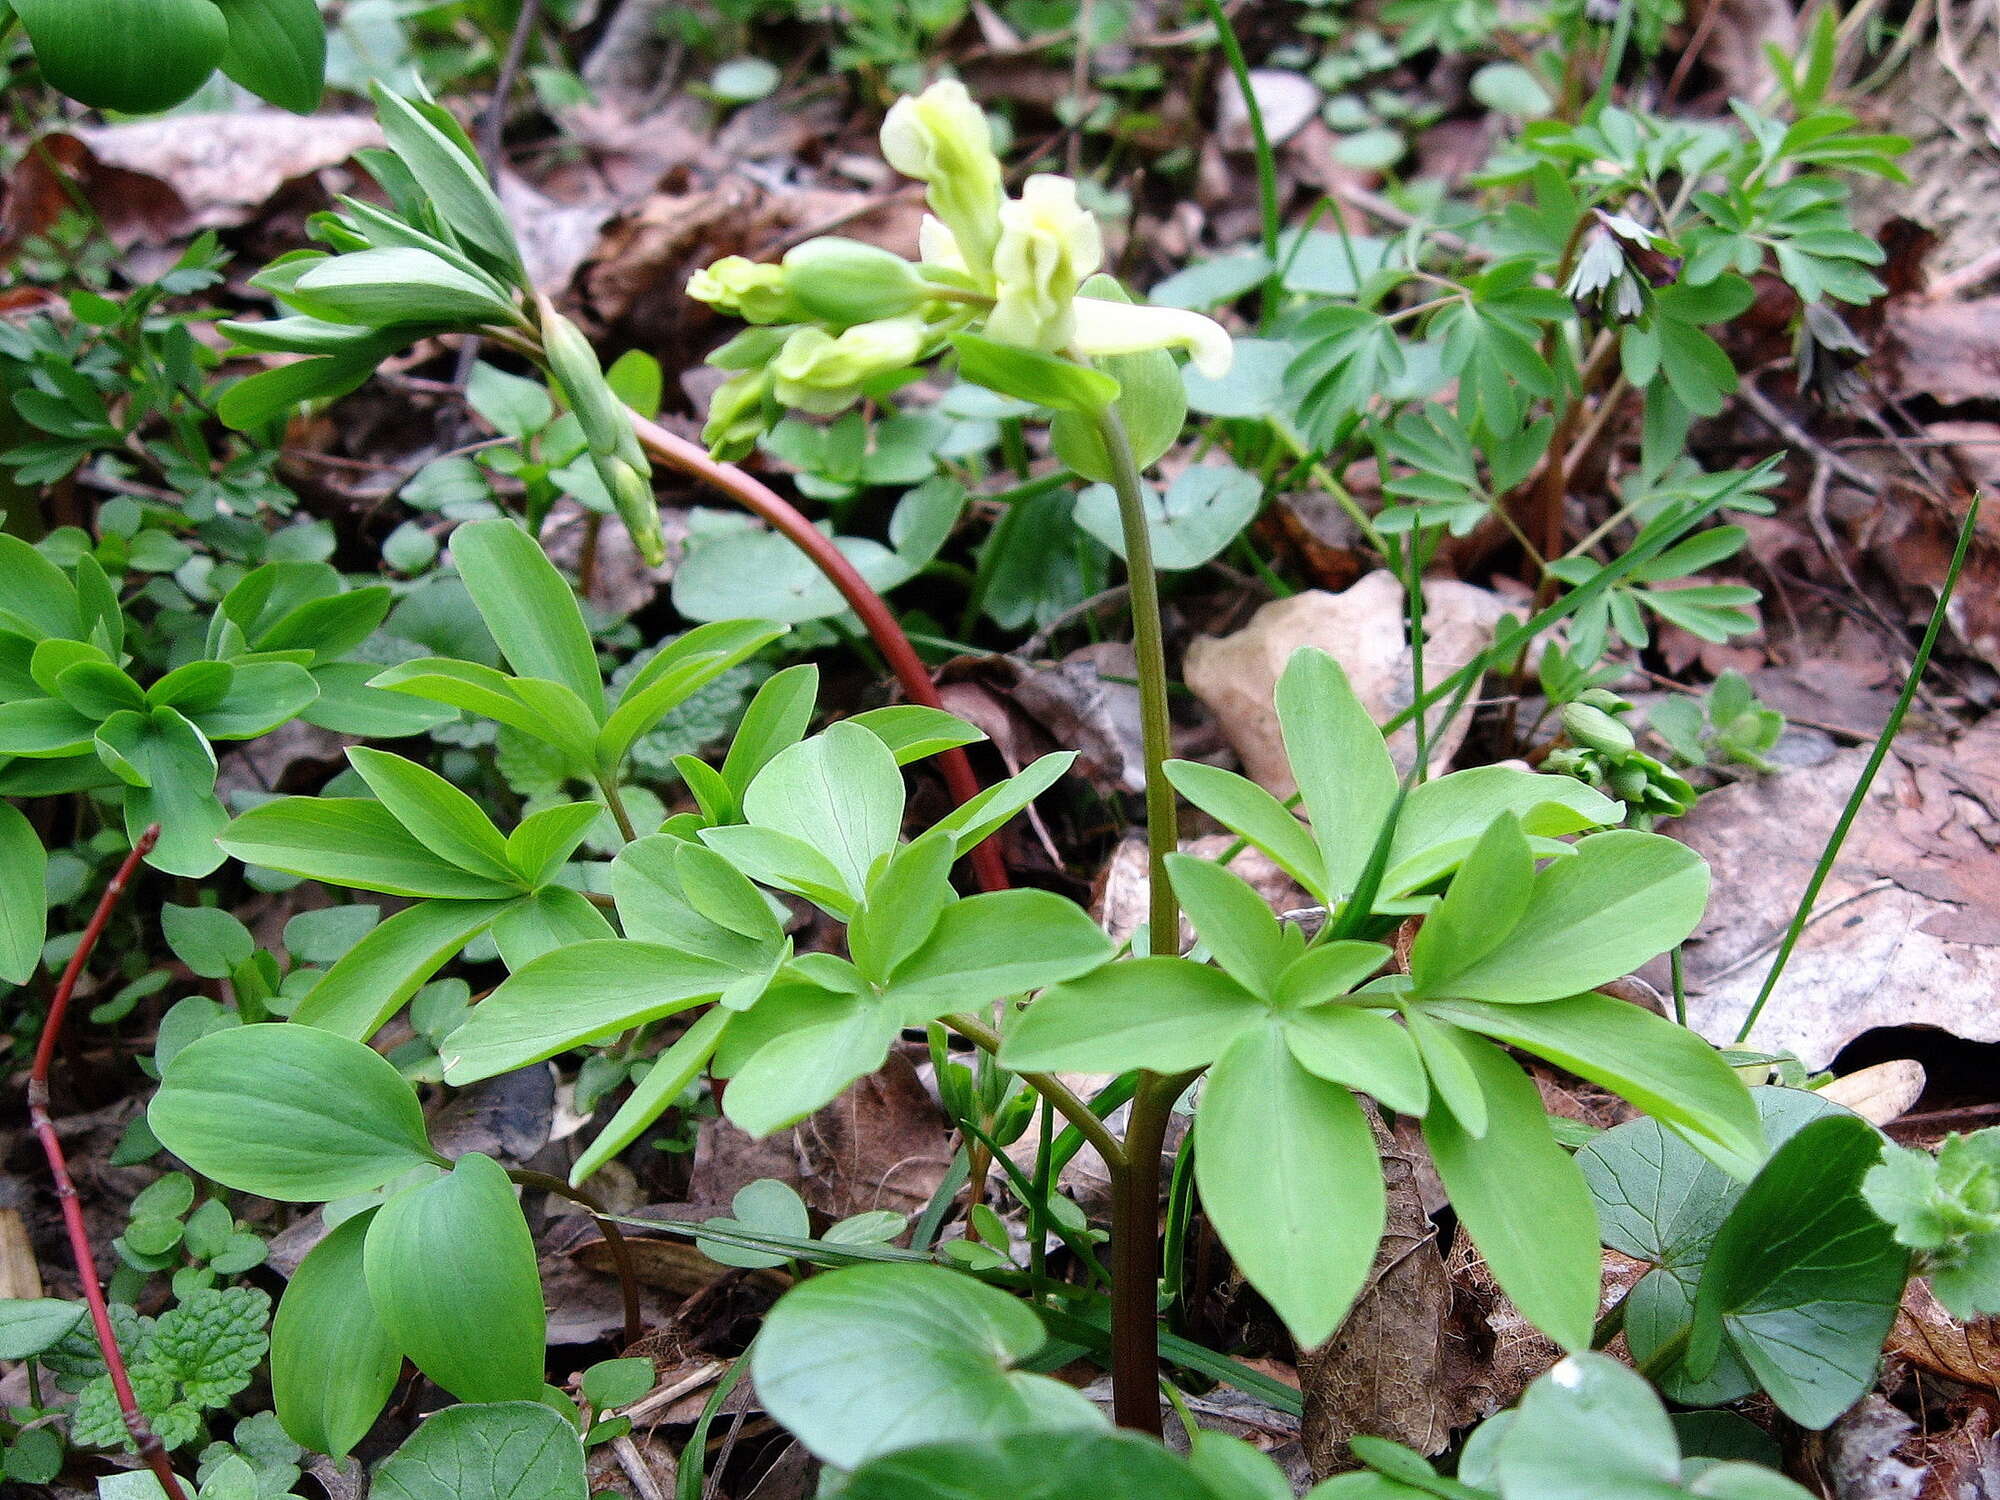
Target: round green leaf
289 1112
1201 513
451 1270
1031 1466
1512 90
30 1325
137 56
1590 1405
870 1359
23 896
510 1450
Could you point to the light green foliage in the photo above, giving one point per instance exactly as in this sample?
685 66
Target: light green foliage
1947 1208
1726 723
74 717
443 1272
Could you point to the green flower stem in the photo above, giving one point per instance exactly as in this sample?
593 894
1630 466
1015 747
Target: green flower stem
1149 648
1053 1089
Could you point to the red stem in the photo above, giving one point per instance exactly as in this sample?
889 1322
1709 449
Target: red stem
775 511
151 1449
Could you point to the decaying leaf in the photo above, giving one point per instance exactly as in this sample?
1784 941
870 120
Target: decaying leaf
1385 1371
1908 927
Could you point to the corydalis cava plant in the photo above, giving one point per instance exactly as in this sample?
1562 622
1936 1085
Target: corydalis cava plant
839 318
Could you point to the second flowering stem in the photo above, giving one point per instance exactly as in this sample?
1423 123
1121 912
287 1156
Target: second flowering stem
1150 653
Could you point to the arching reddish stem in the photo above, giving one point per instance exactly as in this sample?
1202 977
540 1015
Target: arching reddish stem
151 1449
880 621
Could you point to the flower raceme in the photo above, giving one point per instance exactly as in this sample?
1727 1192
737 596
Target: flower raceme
837 316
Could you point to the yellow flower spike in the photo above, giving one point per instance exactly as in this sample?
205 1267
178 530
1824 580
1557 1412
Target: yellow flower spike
941 138
1048 244
819 373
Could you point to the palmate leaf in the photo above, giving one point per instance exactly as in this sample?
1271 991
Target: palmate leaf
1489 342
1274 1145
1348 355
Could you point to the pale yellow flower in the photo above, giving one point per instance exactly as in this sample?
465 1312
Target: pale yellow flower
1048 243
941 138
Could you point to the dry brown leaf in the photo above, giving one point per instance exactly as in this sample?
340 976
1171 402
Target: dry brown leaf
160 180
20 1277
1948 351
1088 702
1908 928
1383 1373
884 1143
1928 1336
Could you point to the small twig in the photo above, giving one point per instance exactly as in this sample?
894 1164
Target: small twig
151 1449
661 1399
637 1469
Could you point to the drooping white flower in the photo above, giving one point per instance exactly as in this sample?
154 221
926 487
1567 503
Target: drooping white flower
1104 327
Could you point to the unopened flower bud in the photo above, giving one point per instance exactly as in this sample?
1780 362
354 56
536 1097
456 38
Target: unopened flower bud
819 373
1594 729
573 363
738 414
754 292
844 282
632 493
941 138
